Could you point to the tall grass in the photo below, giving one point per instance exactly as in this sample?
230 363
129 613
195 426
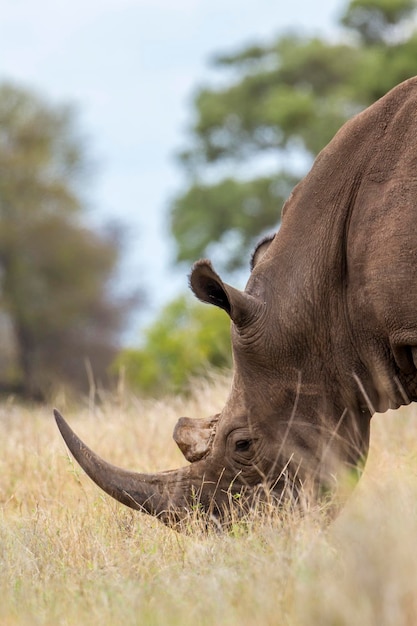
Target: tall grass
70 555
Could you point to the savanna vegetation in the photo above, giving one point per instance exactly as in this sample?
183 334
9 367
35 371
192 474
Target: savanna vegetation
71 555
68 553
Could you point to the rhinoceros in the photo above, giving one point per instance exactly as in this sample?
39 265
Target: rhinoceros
324 334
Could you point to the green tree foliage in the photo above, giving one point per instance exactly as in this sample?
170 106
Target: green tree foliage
277 105
187 339
54 272
246 201
377 21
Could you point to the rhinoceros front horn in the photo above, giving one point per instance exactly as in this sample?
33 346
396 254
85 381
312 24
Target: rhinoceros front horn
161 495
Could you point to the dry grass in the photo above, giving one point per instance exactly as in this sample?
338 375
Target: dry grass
71 555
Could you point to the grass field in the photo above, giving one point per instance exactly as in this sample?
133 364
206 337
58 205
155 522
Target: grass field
71 555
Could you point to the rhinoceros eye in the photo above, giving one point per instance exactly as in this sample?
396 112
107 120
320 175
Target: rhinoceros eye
243 445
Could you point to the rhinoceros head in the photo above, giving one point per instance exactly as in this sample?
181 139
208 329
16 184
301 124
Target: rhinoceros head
274 435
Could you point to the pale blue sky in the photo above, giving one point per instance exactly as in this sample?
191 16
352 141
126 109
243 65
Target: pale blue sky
131 67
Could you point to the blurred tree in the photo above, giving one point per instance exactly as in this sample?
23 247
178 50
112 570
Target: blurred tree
186 340
281 104
54 272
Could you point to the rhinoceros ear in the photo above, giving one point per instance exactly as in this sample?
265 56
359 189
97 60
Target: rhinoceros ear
260 250
209 287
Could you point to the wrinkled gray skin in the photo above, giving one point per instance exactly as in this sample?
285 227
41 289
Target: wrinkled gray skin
324 335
